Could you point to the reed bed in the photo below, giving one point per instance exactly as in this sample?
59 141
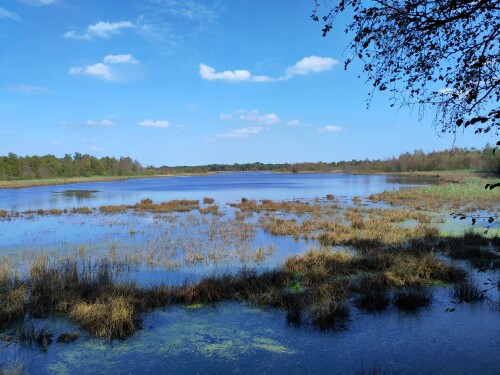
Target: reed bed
385 263
469 195
315 286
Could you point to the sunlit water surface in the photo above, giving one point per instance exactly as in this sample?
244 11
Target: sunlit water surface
234 337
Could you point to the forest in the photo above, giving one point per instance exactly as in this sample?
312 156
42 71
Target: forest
14 167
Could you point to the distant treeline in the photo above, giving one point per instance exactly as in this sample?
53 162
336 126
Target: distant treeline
456 159
14 167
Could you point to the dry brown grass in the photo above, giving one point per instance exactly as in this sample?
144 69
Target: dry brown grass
296 207
214 210
114 317
178 205
82 210
468 195
113 209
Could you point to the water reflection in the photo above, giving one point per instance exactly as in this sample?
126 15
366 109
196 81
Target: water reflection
79 194
224 187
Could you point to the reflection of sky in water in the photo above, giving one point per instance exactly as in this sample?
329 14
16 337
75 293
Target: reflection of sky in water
224 187
231 337
235 338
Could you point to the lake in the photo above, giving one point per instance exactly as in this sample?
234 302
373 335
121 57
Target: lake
229 336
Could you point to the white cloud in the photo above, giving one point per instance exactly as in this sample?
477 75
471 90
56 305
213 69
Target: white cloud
310 64
28 89
252 116
208 73
155 124
4 13
55 142
104 71
241 133
103 123
305 66
98 70
120 59
100 30
294 122
330 129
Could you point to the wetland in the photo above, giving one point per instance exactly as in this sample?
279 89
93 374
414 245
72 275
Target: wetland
287 273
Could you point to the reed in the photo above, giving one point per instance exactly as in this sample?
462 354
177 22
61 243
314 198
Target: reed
412 298
113 317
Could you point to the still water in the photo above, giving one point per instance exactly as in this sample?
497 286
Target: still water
234 337
224 187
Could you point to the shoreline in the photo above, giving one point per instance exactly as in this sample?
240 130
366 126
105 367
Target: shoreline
19 184
445 176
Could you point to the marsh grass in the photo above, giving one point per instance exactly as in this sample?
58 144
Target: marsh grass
67 337
469 195
331 315
412 298
112 317
113 209
469 292
29 335
82 210
213 209
472 246
297 207
313 288
178 205
373 300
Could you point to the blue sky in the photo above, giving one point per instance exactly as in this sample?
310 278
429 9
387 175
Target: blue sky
172 82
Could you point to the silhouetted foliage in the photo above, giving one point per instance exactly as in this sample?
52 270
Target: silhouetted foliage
443 53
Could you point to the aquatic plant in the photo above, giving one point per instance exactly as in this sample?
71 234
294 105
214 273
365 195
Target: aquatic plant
373 300
113 317
468 291
28 334
412 298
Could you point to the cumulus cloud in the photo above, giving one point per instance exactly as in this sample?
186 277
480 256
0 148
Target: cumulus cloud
4 13
155 123
241 133
253 116
311 64
101 29
208 73
28 89
103 123
103 70
330 129
120 59
98 70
